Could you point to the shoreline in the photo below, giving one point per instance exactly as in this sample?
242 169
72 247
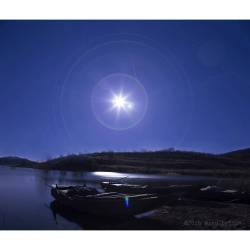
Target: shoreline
235 164
234 173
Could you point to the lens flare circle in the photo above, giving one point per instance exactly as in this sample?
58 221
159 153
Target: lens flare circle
119 101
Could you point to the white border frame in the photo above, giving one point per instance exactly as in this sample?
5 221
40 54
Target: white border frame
125 9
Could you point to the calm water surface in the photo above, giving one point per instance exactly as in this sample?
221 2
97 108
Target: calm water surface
26 203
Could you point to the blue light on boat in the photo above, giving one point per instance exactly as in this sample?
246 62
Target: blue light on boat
126 199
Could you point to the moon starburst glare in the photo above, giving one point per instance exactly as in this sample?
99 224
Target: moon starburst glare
121 102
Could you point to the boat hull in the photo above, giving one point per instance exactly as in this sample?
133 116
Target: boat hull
108 204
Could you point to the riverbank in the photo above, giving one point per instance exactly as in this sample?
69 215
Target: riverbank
194 216
183 215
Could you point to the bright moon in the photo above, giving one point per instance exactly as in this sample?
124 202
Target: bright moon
121 103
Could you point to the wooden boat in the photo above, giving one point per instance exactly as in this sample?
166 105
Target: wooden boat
56 190
178 190
110 204
124 188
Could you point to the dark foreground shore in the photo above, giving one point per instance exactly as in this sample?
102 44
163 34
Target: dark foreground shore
203 216
189 215
195 215
192 210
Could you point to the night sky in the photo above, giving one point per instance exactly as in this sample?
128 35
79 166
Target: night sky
196 75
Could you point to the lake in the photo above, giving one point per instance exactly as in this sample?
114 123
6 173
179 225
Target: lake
26 202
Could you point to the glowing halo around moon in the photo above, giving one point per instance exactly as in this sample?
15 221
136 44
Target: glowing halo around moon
119 101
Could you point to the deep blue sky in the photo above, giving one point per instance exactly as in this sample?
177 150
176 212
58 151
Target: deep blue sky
196 74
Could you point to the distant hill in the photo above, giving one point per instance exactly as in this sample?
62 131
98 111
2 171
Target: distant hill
242 154
165 161
16 161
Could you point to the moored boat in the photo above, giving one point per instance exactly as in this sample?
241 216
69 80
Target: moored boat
124 187
61 191
177 190
106 204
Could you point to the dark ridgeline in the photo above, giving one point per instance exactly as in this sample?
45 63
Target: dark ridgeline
235 163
